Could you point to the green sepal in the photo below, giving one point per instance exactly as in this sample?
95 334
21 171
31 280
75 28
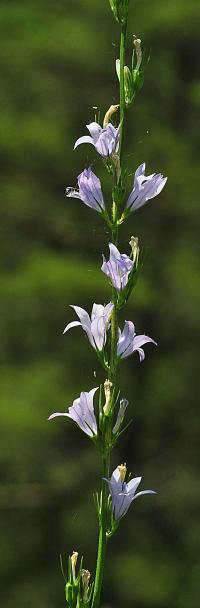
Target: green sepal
138 80
62 568
113 524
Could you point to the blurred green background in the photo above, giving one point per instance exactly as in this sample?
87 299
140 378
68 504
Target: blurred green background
57 61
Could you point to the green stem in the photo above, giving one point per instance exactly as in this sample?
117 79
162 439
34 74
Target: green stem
114 323
114 337
115 212
102 536
122 92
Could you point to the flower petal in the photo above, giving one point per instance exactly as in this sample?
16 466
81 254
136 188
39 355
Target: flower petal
70 325
95 130
132 485
85 139
144 492
56 414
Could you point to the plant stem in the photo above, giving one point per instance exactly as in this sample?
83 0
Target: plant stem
102 536
114 336
115 212
114 324
122 92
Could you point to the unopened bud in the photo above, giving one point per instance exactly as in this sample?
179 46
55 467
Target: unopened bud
137 45
135 248
116 162
112 109
85 580
122 471
69 593
74 558
108 396
128 86
120 417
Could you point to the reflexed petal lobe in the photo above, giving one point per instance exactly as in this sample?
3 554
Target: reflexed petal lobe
70 325
56 414
86 139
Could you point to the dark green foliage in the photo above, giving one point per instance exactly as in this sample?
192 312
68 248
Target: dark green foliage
57 61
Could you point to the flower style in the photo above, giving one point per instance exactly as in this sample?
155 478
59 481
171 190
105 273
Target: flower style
117 268
82 412
95 327
145 187
128 342
105 140
89 190
123 493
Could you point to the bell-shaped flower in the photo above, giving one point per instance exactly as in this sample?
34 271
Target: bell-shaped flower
82 412
145 187
89 190
96 326
129 342
122 493
117 268
105 140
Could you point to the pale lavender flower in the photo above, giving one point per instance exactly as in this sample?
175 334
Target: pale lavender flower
118 267
89 190
82 412
123 493
144 188
105 140
95 327
120 416
128 342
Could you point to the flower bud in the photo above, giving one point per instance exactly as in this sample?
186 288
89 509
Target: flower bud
133 77
137 45
135 249
108 396
121 413
70 594
85 581
128 86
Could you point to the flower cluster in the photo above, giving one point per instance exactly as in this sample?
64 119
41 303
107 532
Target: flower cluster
106 142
